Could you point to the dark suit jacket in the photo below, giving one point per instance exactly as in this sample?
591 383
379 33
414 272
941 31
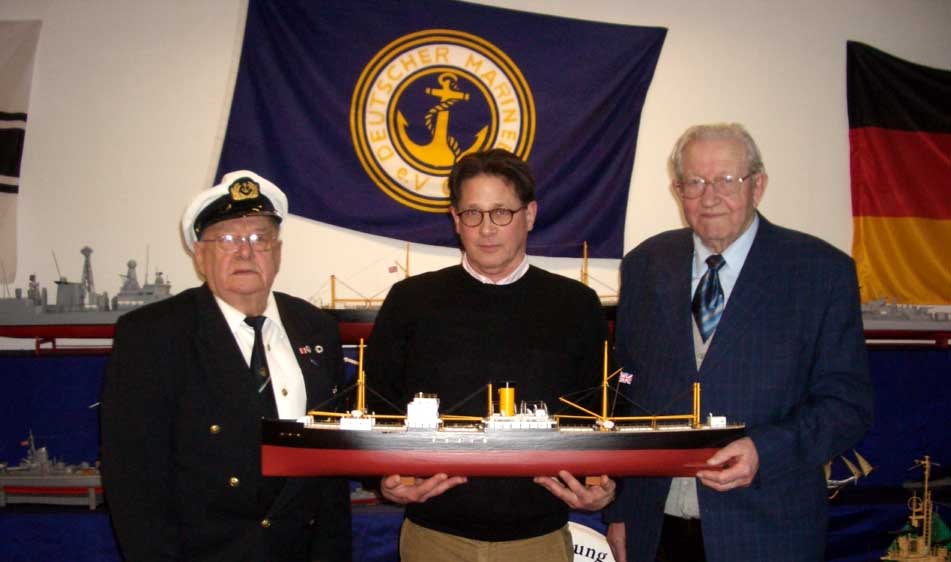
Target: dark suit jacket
788 359
181 440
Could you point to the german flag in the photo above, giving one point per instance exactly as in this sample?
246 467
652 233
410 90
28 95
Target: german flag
900 154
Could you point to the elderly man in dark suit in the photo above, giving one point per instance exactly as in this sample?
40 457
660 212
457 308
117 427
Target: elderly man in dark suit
767 320
190 378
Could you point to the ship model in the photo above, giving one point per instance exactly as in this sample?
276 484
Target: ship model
506 442
78 303
856 469
356 312
925 537
40 479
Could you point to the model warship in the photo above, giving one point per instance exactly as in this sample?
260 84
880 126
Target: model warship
925 537
526 442
40 479
78 303
881 314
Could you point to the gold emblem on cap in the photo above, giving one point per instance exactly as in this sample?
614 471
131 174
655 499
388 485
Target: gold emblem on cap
244 188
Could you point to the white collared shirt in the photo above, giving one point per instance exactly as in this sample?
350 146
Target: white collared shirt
287 380
734 257
517 274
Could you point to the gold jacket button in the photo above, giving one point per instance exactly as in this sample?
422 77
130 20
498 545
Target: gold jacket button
215 429
266 523
234 482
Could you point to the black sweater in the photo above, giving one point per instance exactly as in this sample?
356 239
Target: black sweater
446 333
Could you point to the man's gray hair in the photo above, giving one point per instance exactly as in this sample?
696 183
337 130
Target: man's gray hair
733 131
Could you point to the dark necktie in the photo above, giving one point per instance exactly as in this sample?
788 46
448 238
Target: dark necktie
708 301
262 377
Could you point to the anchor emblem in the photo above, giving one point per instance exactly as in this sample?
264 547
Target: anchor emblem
481 97
443 149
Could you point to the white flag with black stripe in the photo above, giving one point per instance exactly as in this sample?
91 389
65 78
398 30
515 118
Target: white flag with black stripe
18 40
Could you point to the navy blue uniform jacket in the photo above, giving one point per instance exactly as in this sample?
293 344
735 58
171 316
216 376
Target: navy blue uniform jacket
788 359
181 440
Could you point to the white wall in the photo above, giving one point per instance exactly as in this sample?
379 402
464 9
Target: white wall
129 98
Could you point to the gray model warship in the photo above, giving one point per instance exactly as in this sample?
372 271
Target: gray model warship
880 314
39 479
79 303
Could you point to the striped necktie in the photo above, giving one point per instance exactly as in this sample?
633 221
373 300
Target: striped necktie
262 376
708 301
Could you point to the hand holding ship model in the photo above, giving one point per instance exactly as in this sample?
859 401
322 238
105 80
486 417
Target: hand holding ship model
404 490
733 466
594 495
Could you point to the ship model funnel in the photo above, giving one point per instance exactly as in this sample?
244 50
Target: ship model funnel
507 400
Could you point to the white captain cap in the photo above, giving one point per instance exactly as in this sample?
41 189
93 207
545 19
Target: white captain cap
240 194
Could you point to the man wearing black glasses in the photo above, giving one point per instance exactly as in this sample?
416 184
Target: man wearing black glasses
493 318
767 320
190 378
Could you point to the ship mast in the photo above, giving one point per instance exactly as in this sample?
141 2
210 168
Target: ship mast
59 274
361 381
584 262
604 377
87 280
606 423
927 518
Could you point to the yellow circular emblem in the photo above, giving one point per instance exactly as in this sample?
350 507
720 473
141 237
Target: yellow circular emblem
429 98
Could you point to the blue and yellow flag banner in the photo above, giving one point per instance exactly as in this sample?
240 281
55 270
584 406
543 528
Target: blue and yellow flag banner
900 154
359 108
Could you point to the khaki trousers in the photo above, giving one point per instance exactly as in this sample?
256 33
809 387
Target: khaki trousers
419 544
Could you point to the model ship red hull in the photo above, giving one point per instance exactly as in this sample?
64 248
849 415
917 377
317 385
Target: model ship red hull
293 449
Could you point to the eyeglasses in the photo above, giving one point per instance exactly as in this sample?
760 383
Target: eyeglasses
231 243
499 217
726 186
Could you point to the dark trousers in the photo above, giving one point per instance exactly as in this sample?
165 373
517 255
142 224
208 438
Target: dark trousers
681 540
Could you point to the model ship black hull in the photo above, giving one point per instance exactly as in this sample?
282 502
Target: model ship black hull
295 449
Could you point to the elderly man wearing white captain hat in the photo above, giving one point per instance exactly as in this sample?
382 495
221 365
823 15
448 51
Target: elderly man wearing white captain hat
187 383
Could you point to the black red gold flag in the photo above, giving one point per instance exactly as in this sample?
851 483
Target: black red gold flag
900 154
